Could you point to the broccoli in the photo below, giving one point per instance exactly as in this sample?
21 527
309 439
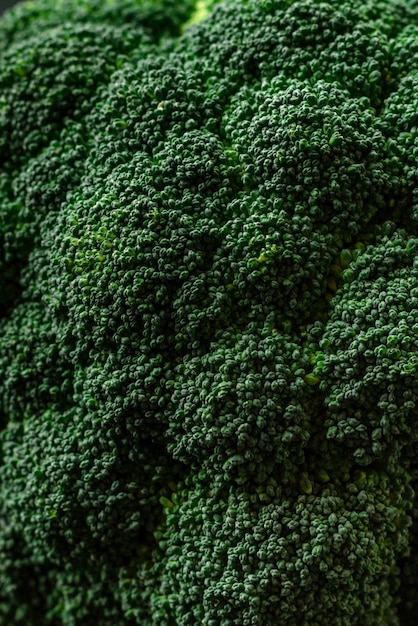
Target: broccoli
209 313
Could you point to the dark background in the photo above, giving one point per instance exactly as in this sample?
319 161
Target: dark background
6 4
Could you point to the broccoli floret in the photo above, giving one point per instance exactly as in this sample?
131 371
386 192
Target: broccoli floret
322 549
208 313
367 356
157 17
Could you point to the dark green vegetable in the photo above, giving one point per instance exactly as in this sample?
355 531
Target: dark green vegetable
209 313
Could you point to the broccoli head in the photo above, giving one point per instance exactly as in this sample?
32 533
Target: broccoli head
209 313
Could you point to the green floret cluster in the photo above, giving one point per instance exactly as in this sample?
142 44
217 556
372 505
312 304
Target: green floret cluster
209 313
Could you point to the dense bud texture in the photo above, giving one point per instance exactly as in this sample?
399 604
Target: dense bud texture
209 313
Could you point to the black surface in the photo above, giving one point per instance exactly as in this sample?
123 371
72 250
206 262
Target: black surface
6 4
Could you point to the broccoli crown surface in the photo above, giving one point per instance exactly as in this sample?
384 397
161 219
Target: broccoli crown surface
209 313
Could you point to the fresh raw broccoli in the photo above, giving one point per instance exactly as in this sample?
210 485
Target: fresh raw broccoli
209 313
